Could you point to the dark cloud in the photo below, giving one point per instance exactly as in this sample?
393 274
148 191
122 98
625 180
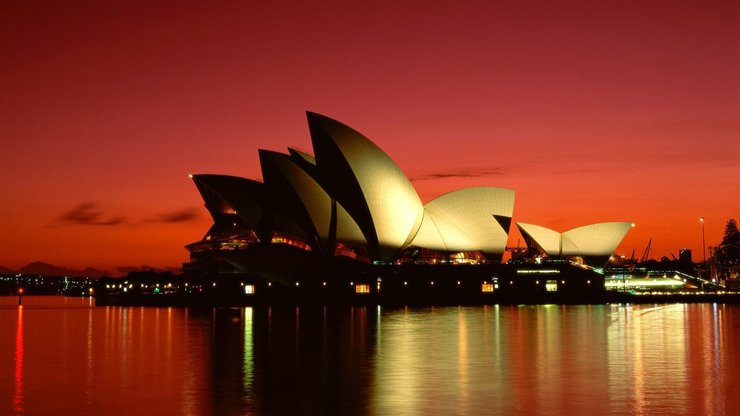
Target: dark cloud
184 215
466 173
89 213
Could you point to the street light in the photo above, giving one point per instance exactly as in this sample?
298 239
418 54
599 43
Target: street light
703 244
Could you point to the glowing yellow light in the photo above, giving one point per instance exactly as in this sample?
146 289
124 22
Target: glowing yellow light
646 282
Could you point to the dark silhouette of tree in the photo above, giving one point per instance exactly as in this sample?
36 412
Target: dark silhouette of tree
728 251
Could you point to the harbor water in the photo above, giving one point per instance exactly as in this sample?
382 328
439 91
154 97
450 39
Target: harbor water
61 356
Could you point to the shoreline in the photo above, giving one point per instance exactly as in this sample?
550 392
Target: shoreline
179 300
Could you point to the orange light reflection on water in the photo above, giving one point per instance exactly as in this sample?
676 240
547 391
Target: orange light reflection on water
18 385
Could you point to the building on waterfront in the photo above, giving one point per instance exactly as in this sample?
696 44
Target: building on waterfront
594 243
349 200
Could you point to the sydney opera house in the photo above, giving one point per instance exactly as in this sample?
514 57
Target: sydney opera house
348 209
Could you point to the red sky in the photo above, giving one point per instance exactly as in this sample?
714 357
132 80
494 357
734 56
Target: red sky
591 111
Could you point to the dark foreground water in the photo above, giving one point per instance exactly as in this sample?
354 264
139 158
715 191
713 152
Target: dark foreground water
62 356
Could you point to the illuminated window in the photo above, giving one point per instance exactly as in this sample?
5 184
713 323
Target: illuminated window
551 286
486 287
249 289
279 239
362 288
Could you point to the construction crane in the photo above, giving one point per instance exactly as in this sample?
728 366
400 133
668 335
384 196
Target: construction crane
646 254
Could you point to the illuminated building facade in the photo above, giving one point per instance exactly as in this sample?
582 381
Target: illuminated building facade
349 200
593 243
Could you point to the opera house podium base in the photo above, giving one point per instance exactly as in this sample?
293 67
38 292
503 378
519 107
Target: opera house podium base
411 284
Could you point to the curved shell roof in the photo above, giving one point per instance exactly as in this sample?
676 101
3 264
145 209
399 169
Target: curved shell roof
600 239
546 239
596 239
280 171
246 197
373 189
463 220
352 192
297 194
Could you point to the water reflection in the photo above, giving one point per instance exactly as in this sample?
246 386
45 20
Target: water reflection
248 359
673 359
557 360
18 385
623 359
301 360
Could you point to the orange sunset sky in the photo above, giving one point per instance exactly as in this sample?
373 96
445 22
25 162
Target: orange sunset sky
591 111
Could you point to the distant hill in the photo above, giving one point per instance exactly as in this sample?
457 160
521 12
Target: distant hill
46 269
124 270
5 270
39 267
